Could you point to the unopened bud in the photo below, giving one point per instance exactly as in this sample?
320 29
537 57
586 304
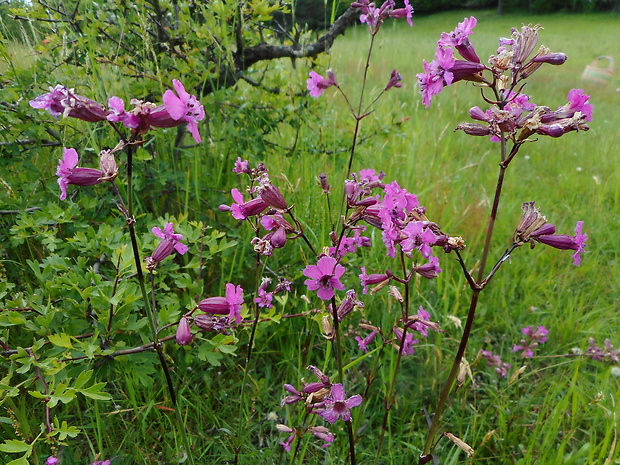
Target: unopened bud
324 185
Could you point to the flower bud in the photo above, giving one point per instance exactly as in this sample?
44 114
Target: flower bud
278 238
552 58
272 195
184 334
214 305
394 81
324 185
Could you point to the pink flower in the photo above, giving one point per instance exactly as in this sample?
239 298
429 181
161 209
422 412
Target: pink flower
63 101
317 83
436 75
410 342
563 242
169 242
459 39
501 368
394 81
69 173
231 304
240 209
534 337
406 12
324 277
292 432
51 460
371 279
429 270
242 166
184 107
460 33
117 113
336 406
322 433
264 299
234 297
363 343
578 100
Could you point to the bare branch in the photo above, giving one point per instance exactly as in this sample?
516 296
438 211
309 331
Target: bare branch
246 57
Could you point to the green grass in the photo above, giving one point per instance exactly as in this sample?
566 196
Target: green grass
559 410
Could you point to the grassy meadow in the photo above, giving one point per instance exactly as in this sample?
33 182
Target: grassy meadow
555 408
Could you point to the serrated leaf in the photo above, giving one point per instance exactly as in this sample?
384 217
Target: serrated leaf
13 446
61 340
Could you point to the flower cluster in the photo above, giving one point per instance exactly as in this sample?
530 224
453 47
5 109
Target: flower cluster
534 227
495 361
445 69
374 17
177 108
401 219
534 336
266 205
320 398
606 353
513 55
420 323
520 119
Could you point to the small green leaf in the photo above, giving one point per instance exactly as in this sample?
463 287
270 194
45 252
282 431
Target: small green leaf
13 446
82 379
94 392
61 340
19 461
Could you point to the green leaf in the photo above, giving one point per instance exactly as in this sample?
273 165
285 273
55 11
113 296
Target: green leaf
64 430
13 446
61 340
82 379
94 392
19 461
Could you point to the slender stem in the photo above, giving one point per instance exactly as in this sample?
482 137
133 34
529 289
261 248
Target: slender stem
256 314
351 442
428 445
391 392
130 219
493 215
372 41
452 376
337 341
